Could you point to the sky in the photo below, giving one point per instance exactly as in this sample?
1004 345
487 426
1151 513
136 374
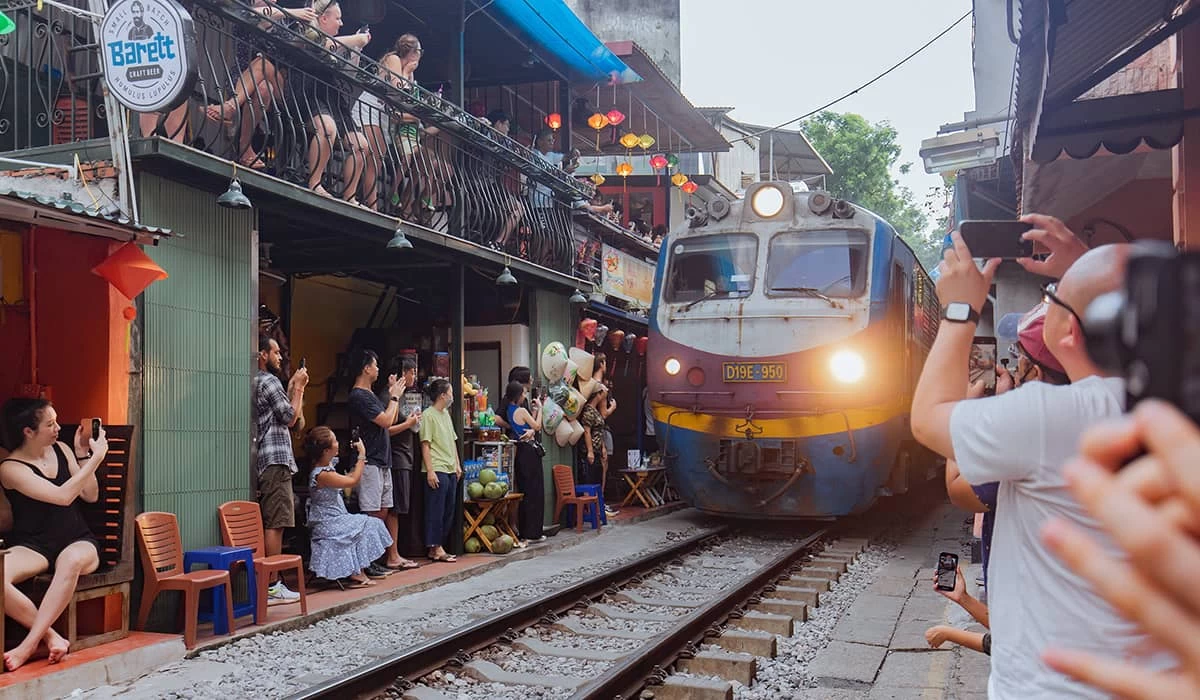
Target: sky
777 59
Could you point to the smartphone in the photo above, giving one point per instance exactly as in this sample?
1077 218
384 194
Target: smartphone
996 239
1004 361
947 571
95 428
303 362
983 363
355 435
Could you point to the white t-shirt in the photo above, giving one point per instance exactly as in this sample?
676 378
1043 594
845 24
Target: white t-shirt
543 197
1022 439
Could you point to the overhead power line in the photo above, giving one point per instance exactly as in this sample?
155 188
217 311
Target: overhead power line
860 88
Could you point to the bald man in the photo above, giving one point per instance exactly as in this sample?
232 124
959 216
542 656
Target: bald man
1022 439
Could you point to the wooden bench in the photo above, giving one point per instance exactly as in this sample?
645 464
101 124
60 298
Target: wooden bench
99 611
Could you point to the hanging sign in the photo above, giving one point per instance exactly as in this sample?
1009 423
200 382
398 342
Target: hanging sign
626 277
149 53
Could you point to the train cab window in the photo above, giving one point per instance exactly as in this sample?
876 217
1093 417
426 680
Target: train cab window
833 263
712 267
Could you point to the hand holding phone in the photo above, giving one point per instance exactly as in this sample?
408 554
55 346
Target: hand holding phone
355 435
997 239
947 571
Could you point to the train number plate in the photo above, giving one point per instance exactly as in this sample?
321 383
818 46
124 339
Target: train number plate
754 372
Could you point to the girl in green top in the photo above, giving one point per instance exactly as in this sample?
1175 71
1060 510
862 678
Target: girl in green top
442 468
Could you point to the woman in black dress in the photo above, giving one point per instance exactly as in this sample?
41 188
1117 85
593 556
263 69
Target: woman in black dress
523 424
43 480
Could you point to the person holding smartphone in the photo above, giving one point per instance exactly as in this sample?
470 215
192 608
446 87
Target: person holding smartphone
938 635
373 418
401 436
344 545
43 480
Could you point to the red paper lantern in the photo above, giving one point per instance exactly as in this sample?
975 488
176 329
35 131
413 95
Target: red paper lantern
588 326
130 270
641 345
554 120
658 161
615 116
615 338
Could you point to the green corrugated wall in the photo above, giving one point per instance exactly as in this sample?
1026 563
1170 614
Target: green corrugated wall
553 322
198 350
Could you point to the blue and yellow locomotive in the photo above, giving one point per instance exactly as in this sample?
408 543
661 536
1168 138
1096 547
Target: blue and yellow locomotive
786 337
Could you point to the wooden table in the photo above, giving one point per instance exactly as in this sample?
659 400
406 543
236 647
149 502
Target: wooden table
501 510
644 485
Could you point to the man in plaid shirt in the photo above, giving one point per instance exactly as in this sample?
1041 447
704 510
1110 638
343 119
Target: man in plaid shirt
274 413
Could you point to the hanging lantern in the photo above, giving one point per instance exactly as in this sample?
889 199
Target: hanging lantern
689 187
130 270
646 141
554 120
597 121
629 140
658 161
678 179
672 160
615 116
624 169
597 179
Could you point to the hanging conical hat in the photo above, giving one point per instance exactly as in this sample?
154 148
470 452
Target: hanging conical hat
562 434
584 360
574 404
576 431
586 387
570 372
554 361
552 415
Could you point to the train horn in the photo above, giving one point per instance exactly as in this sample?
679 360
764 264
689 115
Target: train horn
843 209
819 203
696 216
718 208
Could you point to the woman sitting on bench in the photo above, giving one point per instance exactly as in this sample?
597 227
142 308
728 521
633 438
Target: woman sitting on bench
42 479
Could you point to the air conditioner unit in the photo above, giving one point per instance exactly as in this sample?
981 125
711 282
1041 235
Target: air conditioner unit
968 149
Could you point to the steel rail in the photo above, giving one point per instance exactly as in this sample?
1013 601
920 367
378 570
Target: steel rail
415 662
626 678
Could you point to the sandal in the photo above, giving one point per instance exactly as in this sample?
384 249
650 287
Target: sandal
406 565
448 558
350 583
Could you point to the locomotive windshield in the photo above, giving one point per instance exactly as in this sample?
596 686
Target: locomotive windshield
832 263
712 267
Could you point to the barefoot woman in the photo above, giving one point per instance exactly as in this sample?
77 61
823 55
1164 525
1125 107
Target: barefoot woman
43 480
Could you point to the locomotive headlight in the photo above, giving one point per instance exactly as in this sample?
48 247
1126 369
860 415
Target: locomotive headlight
847 366
672 366
767 202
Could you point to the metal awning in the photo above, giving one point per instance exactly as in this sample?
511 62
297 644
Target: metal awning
1067 49
553 27
791 153
659 94
70 215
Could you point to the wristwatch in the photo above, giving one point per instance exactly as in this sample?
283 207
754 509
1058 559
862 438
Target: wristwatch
960 312
395 398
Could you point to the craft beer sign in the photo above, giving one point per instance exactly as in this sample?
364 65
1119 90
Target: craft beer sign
149 53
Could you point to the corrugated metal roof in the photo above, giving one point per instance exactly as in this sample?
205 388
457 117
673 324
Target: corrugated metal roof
69 206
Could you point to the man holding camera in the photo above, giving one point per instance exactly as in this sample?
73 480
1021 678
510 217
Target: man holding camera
1022 439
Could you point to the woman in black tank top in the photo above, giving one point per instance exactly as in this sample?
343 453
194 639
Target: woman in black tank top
43 480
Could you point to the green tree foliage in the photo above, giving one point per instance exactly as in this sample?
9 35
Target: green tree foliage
863 156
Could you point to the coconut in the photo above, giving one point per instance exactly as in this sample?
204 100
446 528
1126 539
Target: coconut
472 545
487 476
576 431
584 360
475 490
493 491
490 532
502 545
562 435
554 361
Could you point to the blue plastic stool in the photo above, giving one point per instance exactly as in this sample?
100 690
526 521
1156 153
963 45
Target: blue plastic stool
598 513
223 558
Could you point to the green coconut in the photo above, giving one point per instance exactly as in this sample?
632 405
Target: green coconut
489 519
490 532
473 545
502 545
475 490
493 491
487 476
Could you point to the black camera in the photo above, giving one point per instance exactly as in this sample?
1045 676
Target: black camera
1149 332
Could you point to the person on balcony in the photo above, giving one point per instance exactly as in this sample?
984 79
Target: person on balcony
260 84
344 544
327 110
379 122
508 185
43 480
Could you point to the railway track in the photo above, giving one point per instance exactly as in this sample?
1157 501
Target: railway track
618 633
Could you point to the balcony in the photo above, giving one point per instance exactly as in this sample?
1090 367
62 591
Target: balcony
272 97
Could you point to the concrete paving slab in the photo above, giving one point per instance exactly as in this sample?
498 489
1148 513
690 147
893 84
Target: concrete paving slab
842 662
900 586
926 608
877 607
971 673
541 648
910 635
864 631
881 693
916 669
897 568
488 672
618 614
575 627
424 692
630 597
